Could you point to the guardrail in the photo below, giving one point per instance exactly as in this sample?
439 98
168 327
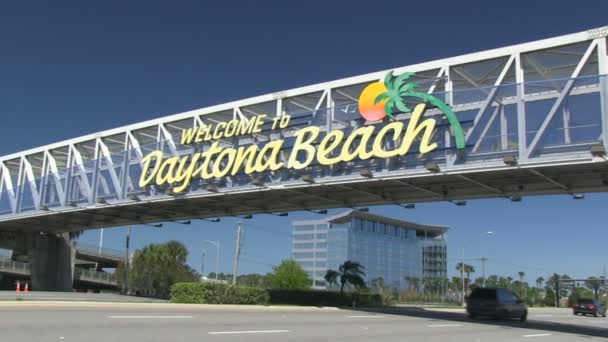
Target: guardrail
14 267
95 277
103 252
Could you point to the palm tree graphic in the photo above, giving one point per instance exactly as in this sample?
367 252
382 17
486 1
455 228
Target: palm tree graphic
397 89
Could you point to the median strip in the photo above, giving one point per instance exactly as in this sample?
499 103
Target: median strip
248 332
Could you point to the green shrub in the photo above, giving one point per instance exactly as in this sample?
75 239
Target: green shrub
216 293
323 298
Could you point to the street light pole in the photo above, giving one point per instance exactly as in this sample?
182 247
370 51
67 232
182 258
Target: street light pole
217 261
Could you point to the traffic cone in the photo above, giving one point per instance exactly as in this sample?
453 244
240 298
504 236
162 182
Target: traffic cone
18 289
27 288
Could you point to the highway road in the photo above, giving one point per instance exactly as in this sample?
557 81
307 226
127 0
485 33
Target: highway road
133 322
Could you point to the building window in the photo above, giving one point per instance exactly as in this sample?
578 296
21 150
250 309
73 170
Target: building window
304 236
303 255
308 245
304 228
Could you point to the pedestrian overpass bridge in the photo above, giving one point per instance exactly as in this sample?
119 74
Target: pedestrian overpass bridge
528 119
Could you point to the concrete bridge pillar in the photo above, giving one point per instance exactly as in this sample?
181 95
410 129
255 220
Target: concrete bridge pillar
51 258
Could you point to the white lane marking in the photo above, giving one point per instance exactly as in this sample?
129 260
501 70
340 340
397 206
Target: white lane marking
366 316
150 317
443 325
537 335
248 332
543 315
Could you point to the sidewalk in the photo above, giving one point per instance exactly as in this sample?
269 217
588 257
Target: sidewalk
73 297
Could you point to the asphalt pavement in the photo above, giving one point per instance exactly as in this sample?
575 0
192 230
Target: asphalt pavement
134 322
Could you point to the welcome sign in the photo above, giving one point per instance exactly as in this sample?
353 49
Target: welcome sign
378 101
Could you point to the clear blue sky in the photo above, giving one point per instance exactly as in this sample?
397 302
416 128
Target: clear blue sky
71 68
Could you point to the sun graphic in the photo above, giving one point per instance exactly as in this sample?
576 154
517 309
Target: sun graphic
368 107
381 99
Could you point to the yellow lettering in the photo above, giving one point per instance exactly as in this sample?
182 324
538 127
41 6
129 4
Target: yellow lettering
272 160
203 170
148 176
245 126
361 149
327 146
220 170
378 146
231 128
184 177
304 139
243 153
259 121
217 134
187 136
166 170
414 129
199 134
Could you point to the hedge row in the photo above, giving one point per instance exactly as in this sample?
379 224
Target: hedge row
323 298
217 293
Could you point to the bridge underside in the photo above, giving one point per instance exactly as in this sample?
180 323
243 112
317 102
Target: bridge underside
509 182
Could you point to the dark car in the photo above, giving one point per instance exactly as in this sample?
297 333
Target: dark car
589 307
496 303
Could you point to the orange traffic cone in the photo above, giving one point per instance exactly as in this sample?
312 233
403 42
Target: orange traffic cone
18 289
27 288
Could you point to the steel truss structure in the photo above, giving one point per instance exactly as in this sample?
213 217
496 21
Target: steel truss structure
531 112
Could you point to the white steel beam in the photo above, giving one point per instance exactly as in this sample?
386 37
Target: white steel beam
54 172
490 99
560 99
521 110
602 59
105 154
85 186
31 179
8 185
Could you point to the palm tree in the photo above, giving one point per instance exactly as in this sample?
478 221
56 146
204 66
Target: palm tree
509 281
594 284
521 275
350 272
539 282
397 89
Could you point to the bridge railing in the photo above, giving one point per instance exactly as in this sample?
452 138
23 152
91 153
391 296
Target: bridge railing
14 267
103 252
94 276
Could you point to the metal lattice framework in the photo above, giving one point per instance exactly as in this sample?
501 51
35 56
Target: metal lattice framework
542 103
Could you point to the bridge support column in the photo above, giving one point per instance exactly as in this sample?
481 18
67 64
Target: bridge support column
51 258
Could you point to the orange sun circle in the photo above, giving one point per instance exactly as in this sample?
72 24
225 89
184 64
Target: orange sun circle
369 110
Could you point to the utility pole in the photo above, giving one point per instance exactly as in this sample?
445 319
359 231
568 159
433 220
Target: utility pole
237 252
125 285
